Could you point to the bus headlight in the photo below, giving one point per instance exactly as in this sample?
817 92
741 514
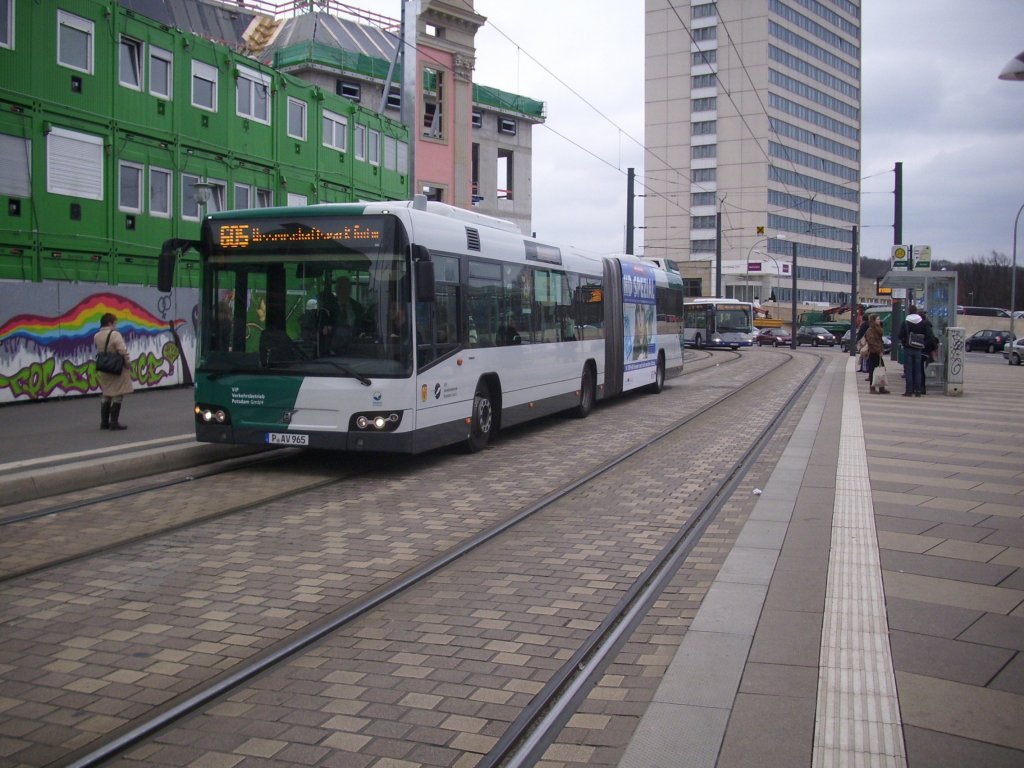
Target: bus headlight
376 422
212 414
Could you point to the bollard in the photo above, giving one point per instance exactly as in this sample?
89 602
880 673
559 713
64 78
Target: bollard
955 361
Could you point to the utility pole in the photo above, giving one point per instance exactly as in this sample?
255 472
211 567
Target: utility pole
410 18
630 176
718 255
792 338
897 239
854 280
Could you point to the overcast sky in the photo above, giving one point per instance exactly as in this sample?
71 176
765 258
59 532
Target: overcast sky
931 99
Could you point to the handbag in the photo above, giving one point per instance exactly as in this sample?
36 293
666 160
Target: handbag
915 340
880 379
109 362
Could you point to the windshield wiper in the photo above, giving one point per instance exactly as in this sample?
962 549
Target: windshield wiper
364 380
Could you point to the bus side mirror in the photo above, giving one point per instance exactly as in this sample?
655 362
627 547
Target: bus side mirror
424 269
168 259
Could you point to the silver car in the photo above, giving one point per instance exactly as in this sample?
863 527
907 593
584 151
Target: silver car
1014 353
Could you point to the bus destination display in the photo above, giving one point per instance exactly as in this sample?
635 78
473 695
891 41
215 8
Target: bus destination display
238 236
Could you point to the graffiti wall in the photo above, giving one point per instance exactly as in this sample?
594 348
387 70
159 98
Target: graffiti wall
46 332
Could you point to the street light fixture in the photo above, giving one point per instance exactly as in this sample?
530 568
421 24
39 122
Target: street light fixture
1013 275
203 191
750 252
1014 70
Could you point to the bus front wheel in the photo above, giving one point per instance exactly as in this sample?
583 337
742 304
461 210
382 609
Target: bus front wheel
588 392
481 420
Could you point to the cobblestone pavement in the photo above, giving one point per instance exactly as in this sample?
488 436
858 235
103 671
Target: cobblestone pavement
92 645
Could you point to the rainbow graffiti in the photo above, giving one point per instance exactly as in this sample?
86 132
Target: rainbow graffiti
75 328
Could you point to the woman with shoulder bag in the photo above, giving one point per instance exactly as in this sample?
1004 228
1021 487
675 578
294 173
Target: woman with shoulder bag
113 385
876 366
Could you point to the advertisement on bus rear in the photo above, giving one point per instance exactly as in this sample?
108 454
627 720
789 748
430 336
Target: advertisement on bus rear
638 320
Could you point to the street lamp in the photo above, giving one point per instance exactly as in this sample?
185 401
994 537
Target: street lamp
750 252
203 190
1014 70
1013 274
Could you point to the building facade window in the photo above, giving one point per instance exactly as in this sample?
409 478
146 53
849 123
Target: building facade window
507 125
433 103
702 151
6 23
704 127
129 195
252 95
296 119
264 198
160 71
189 204
15 154
243 197
359 141
373 147
394 98
708 104
74 164
702 198
403 158
477 119
74 42
705 33
506 176
347 90
160 193
702 246
335 131
204 86
218 196
702 81
390 153
702 11
130 64
703 57
703 174
703 222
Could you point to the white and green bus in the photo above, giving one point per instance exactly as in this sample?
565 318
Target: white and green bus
405 326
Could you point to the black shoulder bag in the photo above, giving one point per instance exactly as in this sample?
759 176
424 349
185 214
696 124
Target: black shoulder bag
109 362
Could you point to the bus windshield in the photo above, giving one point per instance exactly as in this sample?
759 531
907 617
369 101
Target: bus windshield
318 295
734 320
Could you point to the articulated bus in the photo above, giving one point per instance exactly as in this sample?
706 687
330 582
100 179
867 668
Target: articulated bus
405 326
719 323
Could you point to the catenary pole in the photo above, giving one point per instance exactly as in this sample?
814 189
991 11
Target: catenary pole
854 279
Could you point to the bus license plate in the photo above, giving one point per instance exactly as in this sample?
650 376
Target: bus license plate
287 438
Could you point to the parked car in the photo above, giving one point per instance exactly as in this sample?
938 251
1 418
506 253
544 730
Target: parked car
844 343
814 335
774 336
1014 353
988 340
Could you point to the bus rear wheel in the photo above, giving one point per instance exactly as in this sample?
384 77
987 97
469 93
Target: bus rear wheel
659 377
588 392
482 419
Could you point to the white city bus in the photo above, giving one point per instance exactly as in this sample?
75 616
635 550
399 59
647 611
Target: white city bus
455 325
718 323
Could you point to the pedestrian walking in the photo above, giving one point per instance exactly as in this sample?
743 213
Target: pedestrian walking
114 386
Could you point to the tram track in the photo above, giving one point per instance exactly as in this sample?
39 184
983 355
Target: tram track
128 498
271 657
